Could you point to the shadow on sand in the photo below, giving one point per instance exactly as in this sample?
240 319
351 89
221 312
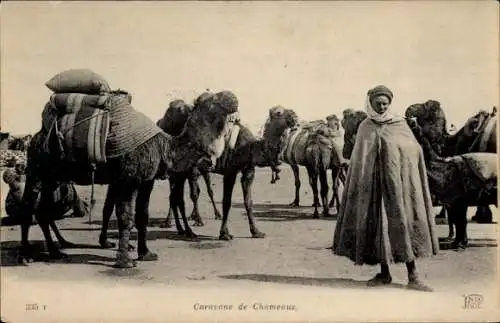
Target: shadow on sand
310 281
113 224
10 249
445 244
283 212
168 235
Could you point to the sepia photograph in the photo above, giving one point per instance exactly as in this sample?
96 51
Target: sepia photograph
249 161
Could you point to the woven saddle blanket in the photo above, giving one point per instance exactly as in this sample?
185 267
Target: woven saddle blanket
93 128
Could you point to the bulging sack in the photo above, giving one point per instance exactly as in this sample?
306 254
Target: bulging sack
78 81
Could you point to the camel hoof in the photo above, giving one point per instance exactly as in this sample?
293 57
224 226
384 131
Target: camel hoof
316 216
67 245
294 204
166 224
24 260
190 234
148 256
258 235
25 255
198 224
121 264
57 255
106 244
225 236
459 246
449 238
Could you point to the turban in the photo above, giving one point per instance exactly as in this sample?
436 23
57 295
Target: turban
381 90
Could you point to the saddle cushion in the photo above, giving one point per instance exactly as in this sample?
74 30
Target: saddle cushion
83 124
78 81
128 128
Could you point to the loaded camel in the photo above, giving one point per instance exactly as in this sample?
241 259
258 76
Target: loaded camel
316 145
477 135
130 175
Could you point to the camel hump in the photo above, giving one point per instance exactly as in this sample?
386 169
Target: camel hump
483 164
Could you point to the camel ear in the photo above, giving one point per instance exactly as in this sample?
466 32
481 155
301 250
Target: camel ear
494 112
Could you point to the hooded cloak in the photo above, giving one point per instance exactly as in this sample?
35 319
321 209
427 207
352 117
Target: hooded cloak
385 215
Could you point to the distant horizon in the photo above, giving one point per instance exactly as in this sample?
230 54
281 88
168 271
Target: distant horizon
316 58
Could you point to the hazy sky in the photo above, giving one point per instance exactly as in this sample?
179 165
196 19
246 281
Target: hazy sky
316 58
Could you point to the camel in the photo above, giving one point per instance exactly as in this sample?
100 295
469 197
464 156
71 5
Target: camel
477 135
459 181
301 146
243 153
130 175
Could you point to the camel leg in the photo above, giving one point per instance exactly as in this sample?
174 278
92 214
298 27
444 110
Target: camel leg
296 176
44 219
194 189
451 222
323 179
247 177
142 220
107 211
334 186
174 203
229 180
179 193
483 214
210 191
25 255
168 220
123 206
313 181
460 216
340 178
442 214
62 242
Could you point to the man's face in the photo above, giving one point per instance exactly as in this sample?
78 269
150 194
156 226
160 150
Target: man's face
380 103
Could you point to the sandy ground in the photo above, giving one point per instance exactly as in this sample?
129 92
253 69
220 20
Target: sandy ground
292 265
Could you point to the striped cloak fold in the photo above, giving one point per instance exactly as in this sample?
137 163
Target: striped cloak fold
386 212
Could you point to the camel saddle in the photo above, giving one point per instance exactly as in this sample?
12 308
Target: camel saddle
484 167
93 128
81 123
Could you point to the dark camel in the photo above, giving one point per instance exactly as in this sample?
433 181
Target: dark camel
477 135
130 176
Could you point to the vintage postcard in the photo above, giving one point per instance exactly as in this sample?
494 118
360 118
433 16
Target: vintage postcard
249 161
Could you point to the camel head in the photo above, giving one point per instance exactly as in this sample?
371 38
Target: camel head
432 120
333 122
475 124
350 122
175 117
208 123
279 121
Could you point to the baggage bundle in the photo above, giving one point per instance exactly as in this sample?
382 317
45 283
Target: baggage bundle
91 121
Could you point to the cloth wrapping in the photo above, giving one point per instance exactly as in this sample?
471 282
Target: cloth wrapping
83 125
128 129
97 127
386 211
295 142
